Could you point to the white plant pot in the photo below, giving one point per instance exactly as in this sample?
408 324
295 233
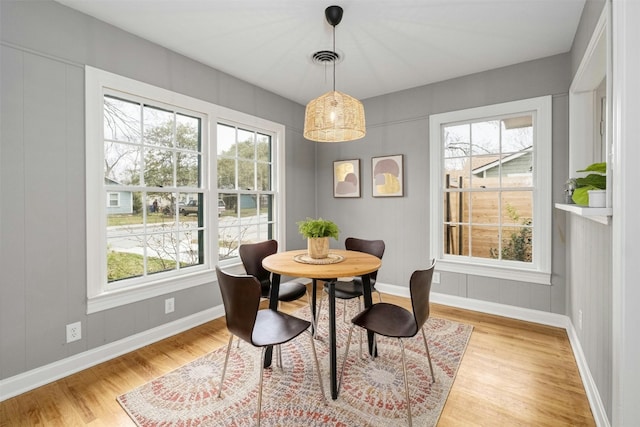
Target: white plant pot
597 198
318 247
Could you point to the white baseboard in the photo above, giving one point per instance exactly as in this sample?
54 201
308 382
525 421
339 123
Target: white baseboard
529 315
42 375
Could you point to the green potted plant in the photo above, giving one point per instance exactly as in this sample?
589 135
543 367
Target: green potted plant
591 189
317 233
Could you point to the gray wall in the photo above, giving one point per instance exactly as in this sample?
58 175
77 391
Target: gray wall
589 261
42 176
399 124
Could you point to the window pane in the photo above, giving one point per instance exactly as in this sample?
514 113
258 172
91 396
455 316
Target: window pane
188 132
484 242
456 207
228 240
158 166
264 176
123 262
231 204
266 208
263 148
485 137
122 163
456 239
188 170
246 175
190 248
517 207
246 144
517 170
162 250
121 120
226 174
484 207
457 141
454 172
517 133
226 140
517 244
158 127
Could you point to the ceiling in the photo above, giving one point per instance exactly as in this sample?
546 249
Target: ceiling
385 45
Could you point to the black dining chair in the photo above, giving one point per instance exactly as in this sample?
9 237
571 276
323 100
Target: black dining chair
393 321
354 288
241 295
252 254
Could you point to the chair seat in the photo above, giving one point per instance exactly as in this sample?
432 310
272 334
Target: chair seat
291 291
388 320
346 290
274 328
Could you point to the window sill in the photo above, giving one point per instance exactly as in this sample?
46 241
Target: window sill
519 275
600 215
117 298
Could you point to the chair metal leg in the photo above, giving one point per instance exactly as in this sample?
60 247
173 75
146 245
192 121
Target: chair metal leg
224 368
344 361
314 323
406 383
264 350
279 356
315 358
426 347
315 334
361 332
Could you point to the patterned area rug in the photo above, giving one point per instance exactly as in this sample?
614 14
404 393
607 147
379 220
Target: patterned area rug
372 392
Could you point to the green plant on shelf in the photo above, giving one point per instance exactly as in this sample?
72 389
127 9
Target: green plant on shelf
595 180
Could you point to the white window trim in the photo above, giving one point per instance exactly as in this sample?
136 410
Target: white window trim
540 270
97 83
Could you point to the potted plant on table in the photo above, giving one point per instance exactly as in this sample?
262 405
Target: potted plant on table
590 190
317 233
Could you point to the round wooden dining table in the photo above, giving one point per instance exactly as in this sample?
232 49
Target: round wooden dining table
343 264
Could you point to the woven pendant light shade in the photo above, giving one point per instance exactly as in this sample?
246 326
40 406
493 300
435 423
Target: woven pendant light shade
334 117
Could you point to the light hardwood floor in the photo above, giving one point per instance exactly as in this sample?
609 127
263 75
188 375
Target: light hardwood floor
513 373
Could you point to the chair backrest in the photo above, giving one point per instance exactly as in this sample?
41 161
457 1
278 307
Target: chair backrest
241 298
420 288
252 255
372 247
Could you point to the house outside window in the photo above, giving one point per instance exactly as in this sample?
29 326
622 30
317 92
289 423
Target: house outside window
155 153
491 190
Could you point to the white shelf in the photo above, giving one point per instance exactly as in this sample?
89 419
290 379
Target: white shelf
601 215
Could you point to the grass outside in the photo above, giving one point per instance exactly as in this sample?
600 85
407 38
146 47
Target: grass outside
122 265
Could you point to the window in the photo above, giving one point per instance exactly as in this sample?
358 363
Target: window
113 200
155 156
153 151
245 188
491 190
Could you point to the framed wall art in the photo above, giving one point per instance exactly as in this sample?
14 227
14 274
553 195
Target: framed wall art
387 174
346 178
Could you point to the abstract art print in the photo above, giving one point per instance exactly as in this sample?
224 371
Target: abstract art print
346 178
387 173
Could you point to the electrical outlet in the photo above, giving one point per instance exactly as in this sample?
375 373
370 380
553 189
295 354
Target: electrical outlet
580 319
436 277
74 332
169 305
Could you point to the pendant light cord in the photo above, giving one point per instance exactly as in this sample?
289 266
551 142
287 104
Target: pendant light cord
335 56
